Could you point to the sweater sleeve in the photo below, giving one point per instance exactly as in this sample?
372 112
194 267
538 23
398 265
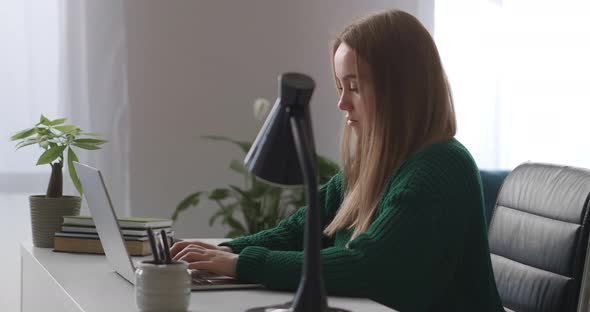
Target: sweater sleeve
288 234
409 252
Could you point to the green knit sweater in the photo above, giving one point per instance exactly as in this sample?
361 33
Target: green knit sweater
426 250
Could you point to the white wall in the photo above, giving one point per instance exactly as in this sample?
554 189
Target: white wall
194 68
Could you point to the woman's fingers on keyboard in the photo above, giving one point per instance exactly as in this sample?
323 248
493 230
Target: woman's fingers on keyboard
188 250
179 246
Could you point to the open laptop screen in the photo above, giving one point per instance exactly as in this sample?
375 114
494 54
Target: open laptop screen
105 220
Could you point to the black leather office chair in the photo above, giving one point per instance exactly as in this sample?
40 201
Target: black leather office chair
539 236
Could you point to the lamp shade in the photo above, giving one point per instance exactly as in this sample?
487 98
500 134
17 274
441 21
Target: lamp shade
273 155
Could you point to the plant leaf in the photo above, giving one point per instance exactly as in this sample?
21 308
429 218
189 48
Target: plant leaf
238 167
326 169
235 234
44 121
297 199
229 209
51 154
90 141
86 146
23 134
215 216
71 158
272 205
57 141
250 207
190 200
238 189
247 200
91 134
69 129
219 194
260 188
27 141
57 121
232 222
245 146
44 131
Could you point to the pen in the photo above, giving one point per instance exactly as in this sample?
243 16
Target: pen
153 246
160 250
166 246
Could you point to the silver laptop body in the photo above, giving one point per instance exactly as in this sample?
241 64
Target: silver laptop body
111 238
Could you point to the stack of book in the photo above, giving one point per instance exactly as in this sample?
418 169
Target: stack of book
78 234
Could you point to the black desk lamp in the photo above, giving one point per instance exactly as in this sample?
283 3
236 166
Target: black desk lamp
284 153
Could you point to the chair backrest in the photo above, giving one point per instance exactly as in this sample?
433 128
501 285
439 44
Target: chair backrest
491 181
538 237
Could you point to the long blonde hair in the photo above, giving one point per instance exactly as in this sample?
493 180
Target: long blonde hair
412 108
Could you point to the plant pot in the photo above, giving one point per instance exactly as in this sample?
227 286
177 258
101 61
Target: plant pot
47 216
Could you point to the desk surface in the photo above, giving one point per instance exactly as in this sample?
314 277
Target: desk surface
92 285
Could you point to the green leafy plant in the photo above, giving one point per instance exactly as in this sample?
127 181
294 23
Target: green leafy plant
55 137
256 205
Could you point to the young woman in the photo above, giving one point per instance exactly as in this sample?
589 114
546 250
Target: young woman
405 219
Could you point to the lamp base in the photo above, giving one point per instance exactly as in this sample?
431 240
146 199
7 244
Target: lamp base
286 307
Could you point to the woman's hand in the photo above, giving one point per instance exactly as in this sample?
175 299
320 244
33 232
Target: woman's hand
179 246
203 256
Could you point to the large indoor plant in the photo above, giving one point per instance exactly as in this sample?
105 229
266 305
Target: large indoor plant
256 205
55 137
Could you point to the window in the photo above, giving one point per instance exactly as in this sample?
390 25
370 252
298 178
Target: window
519 74
29 83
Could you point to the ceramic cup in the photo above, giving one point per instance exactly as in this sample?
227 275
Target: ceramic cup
162 287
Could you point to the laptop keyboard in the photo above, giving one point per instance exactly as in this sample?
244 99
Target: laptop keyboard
205 278
201 281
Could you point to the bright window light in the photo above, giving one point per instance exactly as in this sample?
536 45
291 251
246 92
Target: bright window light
519 74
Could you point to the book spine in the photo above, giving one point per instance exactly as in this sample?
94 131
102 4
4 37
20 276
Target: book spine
93 246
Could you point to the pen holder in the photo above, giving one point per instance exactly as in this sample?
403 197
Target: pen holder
162 287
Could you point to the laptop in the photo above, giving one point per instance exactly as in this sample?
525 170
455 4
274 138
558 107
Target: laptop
111 238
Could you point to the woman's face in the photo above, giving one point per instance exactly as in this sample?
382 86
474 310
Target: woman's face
347 82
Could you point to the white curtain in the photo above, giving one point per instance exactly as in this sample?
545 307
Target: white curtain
519 74
94 61
29 85
29 71
60 58
68 59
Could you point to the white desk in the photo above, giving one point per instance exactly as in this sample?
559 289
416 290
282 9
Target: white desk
53 281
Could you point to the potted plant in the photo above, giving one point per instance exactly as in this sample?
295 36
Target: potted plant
55 137
257 205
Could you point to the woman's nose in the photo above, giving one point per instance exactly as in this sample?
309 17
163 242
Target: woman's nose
344 104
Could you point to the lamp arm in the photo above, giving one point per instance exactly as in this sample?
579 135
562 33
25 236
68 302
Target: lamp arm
311 294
